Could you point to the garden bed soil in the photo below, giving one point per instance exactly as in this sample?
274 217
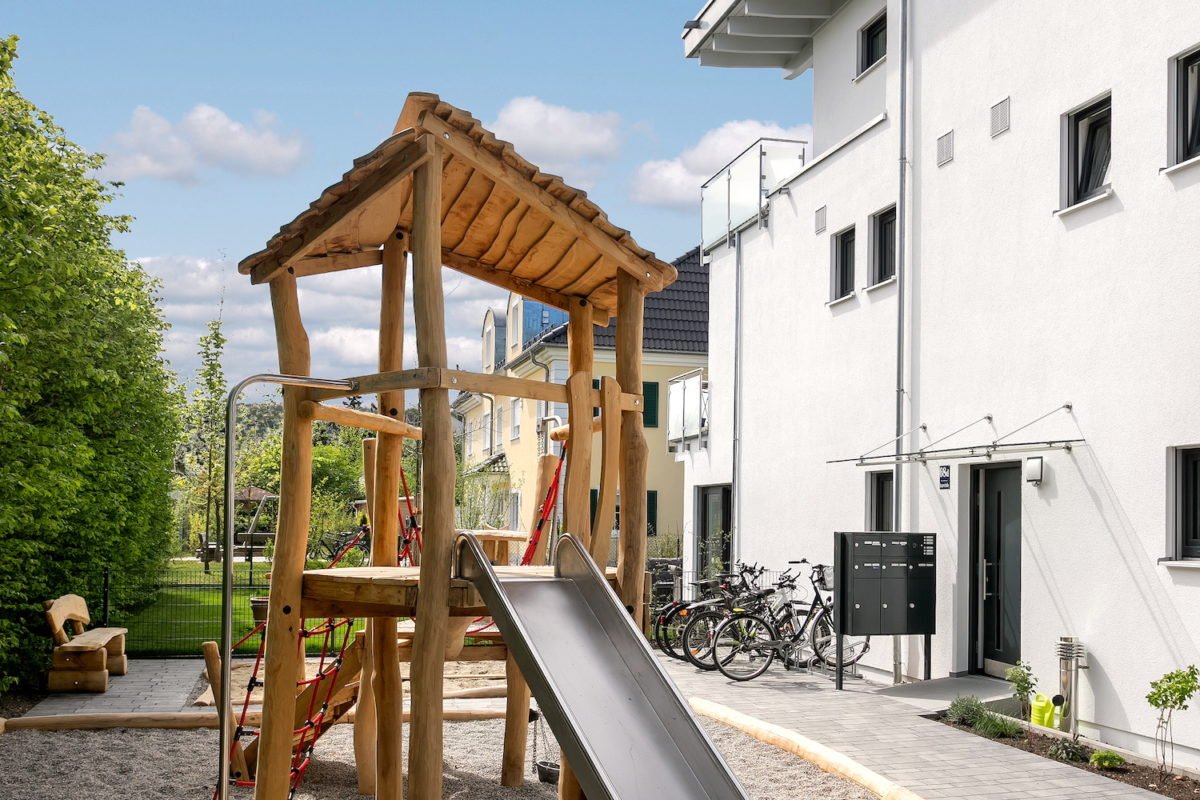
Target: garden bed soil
1178 787
17 704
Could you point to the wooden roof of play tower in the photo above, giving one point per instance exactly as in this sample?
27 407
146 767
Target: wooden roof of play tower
503 220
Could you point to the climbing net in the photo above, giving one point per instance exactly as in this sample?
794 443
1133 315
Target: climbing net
319 695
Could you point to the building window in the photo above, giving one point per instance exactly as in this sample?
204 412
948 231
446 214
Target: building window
514 510
498 434
883 246
651 513
514 424
872 43
841 283
1089 150
1188 105
486 425
880 510
469 436
1187 498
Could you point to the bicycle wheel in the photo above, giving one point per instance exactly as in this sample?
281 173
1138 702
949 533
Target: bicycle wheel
744 646
671 631
824 642
697 640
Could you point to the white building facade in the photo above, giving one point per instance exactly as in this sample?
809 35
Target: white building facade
1026 284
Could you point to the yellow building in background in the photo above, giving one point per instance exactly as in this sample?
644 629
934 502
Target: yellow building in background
503 437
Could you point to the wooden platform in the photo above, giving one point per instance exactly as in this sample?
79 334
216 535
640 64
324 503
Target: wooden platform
393 591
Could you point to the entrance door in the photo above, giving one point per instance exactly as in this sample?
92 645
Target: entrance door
998 574
714 546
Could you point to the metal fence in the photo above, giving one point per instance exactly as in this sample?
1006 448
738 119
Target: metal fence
669 585
184 610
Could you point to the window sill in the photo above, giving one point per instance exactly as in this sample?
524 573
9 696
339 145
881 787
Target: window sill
868 70
840 300
1091 201
881 284
1172 563
1182 165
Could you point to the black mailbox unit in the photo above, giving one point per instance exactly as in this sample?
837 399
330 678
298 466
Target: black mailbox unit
885 584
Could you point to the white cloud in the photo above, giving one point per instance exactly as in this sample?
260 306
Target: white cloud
340 313
561 140
675 182
154 147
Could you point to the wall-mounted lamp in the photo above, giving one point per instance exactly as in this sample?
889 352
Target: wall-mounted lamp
1033 470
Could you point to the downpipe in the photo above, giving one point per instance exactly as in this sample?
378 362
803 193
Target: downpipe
901 222
224 702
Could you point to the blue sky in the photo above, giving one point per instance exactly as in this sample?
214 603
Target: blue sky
225 120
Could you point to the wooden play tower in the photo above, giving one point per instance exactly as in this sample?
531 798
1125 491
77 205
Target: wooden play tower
444 190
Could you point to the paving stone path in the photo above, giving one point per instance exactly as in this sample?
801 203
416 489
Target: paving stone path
893 739
151 685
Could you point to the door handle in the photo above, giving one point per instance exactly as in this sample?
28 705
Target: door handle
987 578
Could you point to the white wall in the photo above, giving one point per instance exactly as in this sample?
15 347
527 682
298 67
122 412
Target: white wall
1014 311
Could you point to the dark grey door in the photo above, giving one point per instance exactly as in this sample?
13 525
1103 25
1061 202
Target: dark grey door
714 545
1000 522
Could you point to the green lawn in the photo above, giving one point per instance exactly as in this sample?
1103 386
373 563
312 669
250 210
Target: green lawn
186 612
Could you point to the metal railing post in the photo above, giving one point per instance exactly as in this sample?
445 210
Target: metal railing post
224 701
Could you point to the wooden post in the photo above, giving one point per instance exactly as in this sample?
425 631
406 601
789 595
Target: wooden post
429 639
364 713
610 456
631 556
212 665
284 652
576 504
547 464
516 726
385 523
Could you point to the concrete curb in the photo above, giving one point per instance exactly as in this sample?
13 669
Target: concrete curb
824 757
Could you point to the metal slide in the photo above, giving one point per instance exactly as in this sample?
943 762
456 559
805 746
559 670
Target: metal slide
619 719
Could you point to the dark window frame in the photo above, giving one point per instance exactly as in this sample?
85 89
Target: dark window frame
1187 498
883 246
1089 150
841 273
882 488
1188 119
872 43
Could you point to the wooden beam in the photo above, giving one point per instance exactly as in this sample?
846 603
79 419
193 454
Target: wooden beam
337 262
383 179
562 432
546 466
385 523
631 555
212 667
365 727
516 725
540 200
353 418
285 657
439 469
610 457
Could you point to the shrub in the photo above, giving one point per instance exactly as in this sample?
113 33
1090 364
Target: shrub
1106 759
1023 683
1068 750
995 726
1170 693
966 710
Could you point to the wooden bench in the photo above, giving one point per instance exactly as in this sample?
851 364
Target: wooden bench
83 659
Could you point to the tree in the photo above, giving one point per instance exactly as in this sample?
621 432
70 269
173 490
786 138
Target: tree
89 415
206 435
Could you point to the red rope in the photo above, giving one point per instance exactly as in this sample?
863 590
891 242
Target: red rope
546 511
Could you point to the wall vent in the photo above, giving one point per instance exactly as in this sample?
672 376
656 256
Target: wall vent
945 148
1000 117
820 219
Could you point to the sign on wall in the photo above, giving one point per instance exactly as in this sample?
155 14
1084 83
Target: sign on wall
944 477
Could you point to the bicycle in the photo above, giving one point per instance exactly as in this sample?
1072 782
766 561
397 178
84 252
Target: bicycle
699 633
746 644
720 589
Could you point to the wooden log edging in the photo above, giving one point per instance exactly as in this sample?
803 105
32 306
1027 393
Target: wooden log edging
814 752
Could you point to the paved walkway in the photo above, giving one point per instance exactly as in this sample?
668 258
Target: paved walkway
151 685
891 738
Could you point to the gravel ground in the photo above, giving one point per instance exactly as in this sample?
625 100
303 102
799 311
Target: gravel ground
179 765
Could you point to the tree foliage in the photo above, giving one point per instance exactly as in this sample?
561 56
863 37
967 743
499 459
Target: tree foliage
88 413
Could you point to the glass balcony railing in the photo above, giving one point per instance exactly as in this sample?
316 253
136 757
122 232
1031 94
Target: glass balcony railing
738 193
687 412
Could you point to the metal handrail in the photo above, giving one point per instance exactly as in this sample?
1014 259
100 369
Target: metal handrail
225 700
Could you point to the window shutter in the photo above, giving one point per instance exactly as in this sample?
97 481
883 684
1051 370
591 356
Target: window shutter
945 148
651 512
650 404
1000 117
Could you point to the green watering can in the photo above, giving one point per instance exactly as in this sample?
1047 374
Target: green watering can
1042 711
